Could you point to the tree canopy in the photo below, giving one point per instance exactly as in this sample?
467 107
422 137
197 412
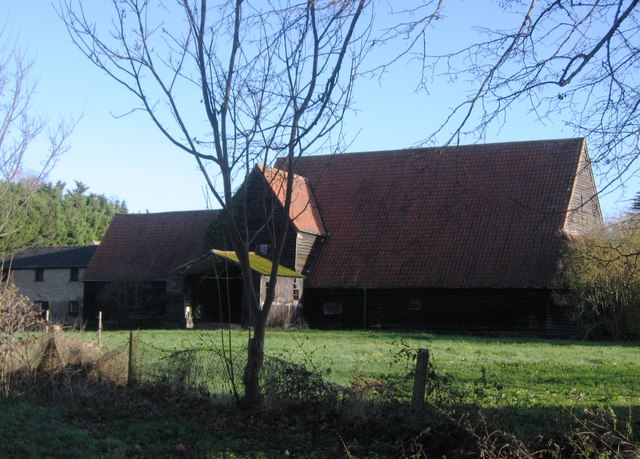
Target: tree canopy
52 215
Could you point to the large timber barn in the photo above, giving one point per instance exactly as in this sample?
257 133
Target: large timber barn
455 238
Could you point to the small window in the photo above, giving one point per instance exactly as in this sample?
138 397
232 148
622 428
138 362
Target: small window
74 307
263 249
296 290
74 275
39 275
414 304
331 309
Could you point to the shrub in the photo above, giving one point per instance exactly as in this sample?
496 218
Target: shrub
17 315
600 278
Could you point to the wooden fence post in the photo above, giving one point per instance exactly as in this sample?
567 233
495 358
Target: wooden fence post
133 350
420 380
100 328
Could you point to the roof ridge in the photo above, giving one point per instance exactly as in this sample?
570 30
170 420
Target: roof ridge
436 147
165 212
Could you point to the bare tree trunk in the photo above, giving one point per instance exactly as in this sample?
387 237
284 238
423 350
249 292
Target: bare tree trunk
267 79
253 370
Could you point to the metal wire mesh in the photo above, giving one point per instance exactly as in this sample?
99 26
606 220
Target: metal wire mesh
218 373
204 371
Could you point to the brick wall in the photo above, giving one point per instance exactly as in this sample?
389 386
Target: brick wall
56 288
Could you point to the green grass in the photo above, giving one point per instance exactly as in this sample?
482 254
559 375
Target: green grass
30 430
533 389
494 372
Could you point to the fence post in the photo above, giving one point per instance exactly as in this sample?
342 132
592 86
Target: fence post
420 380
100 328
133 350
46 320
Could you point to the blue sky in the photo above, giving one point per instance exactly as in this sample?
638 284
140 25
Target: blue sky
125 158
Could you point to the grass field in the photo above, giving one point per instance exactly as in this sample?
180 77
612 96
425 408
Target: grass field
508 397
494 372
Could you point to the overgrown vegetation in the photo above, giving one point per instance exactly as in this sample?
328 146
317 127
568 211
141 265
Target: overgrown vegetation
81 393
46 214
17 315
494 371
600 276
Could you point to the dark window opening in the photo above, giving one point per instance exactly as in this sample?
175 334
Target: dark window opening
331 309
39 275
74 275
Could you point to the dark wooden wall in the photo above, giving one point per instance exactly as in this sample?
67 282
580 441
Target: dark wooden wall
466 310
90 303
265 217
215 300
127 304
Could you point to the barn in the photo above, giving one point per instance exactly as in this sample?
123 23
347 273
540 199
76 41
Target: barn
462 238
150 269
131 277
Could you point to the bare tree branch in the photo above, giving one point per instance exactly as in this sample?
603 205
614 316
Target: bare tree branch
20 128
233 84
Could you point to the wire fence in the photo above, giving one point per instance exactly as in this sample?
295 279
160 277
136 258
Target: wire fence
207 371
215 372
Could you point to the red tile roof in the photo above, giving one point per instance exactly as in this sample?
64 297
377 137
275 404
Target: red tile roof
303 212
149 246
470 216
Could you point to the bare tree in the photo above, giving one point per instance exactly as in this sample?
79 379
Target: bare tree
566 61
21 132
20 129
231 85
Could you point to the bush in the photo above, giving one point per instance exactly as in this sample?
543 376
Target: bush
17 315
600 278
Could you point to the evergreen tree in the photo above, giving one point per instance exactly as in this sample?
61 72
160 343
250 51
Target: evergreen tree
49 216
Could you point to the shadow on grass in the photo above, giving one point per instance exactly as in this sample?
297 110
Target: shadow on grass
83 408
156 421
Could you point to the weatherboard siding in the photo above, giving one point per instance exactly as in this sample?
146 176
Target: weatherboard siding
307 247
583 213
130 304
530 311
265 219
